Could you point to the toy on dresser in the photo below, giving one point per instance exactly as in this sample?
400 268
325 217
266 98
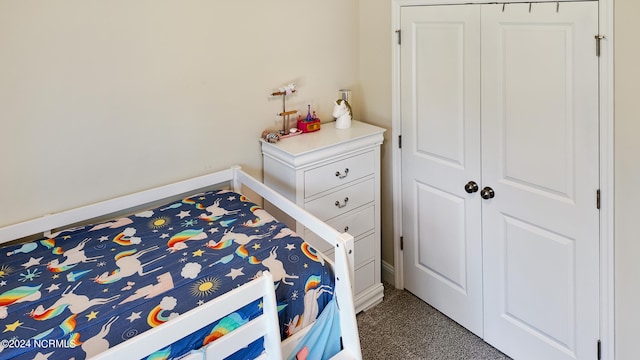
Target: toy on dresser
284 91
310 123
342 112
303 125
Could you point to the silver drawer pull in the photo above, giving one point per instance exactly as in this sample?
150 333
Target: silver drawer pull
340 176
340 206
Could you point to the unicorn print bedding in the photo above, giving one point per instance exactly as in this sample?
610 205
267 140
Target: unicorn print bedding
77 292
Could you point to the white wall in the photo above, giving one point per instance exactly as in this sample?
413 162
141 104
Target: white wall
375 41
627 178
102 98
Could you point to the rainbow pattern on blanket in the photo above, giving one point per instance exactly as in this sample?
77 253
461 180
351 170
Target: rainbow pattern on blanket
225 326
310 252
69 324
312 282
105 283
15 295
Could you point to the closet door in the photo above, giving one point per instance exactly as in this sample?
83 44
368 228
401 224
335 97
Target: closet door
540 157
440 75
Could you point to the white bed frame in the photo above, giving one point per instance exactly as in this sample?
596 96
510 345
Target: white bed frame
264 326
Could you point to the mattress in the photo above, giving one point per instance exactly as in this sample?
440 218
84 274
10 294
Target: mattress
80 291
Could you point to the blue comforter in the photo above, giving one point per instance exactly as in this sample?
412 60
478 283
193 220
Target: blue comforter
80 291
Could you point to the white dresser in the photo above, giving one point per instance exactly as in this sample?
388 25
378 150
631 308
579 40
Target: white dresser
335 175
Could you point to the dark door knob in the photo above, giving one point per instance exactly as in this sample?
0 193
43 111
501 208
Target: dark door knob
487 193
471 187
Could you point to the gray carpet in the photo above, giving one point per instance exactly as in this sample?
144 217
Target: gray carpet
404 327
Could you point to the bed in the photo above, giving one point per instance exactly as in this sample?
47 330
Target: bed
179 266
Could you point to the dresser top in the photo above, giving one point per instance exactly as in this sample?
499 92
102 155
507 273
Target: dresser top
327 137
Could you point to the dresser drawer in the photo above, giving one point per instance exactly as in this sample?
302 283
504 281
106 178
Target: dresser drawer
356 224
342 201
337 173
364 277
364 251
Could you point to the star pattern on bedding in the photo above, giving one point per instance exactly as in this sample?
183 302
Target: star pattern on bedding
97 285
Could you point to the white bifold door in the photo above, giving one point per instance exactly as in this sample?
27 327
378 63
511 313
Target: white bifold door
499 108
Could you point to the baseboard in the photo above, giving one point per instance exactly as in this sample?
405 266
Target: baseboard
388 273
369 297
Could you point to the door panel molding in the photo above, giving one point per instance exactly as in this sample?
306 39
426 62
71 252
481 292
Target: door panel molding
452 207
525 271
